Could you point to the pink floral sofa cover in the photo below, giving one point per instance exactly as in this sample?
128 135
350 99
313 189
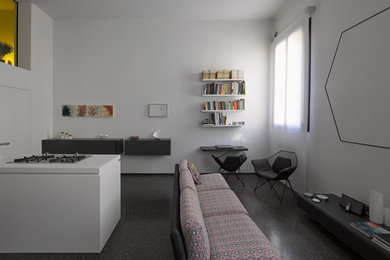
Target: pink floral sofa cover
215 224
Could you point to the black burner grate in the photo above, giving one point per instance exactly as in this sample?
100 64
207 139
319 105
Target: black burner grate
51 158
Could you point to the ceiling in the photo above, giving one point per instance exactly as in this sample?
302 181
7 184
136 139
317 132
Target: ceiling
160 9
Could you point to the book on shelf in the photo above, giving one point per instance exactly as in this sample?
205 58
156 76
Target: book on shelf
368 228
231 88
224 105
219 118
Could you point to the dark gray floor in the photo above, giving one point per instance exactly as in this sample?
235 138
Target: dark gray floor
143 231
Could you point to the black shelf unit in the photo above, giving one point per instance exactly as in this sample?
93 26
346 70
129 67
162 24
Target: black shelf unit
331 216
148 146
83 146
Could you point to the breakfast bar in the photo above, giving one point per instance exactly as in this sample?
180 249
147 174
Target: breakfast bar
59 207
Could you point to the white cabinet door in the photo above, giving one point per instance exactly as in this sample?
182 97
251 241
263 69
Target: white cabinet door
15 121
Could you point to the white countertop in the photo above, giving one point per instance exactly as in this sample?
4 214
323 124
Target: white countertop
91 165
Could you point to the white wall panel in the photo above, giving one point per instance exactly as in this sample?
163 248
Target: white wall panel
131 64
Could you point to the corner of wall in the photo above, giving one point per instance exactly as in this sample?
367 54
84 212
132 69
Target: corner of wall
24 35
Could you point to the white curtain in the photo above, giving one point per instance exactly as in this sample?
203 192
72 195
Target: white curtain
289 95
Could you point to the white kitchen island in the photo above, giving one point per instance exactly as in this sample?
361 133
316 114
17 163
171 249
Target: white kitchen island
59 207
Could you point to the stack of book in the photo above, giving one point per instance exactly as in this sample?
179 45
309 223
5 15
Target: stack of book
209 74
223 74
219 118
378 235
233 88
225 105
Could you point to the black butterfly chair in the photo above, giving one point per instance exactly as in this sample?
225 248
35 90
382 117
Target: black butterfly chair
276 168
232 164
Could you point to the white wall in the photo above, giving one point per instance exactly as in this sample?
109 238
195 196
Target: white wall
333 166
290 11
131 64
15 110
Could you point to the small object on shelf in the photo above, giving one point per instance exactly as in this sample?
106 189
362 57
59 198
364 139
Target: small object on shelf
223 74
205 121
368 228
134 137
308 195
157 134
376 206
387 216
209 74
322 197
316 200
223 146
102 136
355 206
237 74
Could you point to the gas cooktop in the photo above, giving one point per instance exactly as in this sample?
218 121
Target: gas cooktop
51 158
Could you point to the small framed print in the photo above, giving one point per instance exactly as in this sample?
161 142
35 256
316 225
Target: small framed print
158 110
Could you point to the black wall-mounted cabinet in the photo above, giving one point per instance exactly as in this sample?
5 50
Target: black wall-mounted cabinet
83 146
148 146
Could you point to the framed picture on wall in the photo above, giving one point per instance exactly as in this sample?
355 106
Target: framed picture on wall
158 110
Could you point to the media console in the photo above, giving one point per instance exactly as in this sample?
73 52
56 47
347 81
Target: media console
331 216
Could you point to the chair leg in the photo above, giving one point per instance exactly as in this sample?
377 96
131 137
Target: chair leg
240 178
292 190
284 190
272 187
257 187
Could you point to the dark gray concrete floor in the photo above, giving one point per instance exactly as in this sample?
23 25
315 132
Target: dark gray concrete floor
143 231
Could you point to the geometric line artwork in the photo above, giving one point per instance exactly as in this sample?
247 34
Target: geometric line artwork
358 83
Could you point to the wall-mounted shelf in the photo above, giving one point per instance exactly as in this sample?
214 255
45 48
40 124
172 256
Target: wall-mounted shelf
221 95
222 111
222 80
148 146
223 88
219 126
83 146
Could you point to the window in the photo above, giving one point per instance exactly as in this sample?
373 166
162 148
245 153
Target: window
8 29
288 79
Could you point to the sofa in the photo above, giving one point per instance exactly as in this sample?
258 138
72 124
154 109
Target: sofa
208 221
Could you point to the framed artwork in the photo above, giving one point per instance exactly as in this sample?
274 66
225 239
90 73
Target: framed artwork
158 110
102 111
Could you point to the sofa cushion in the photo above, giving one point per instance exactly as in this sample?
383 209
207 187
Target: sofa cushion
212 181
193 227
186 181
183 165
219 202
237 237
195 173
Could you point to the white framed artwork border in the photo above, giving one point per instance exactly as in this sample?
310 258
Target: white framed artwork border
158 110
